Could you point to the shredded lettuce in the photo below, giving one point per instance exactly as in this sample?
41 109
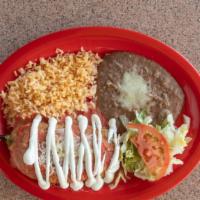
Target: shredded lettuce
131 160
176 137
142 118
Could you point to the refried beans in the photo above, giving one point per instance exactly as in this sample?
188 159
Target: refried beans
161 92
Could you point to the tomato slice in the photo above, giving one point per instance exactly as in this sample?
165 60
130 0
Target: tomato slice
153 148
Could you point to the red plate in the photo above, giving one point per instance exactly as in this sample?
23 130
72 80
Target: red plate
103 40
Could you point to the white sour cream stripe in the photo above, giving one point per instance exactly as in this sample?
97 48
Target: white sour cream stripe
69 155
80 166
60 174
112 129
85 154
97 143
31 154
115 163
83 124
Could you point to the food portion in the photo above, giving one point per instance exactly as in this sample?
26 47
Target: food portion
66 155
52 87
153 149
150 152
79 120
129 83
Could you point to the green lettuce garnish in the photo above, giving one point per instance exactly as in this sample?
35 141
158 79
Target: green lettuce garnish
176 137
131 160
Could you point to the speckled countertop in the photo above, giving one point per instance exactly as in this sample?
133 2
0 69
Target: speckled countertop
176 23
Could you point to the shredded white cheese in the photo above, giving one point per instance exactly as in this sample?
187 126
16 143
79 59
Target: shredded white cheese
133 91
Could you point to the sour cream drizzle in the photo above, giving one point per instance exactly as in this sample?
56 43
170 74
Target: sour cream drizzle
114 164
69 156
97 143
112 129
85 154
